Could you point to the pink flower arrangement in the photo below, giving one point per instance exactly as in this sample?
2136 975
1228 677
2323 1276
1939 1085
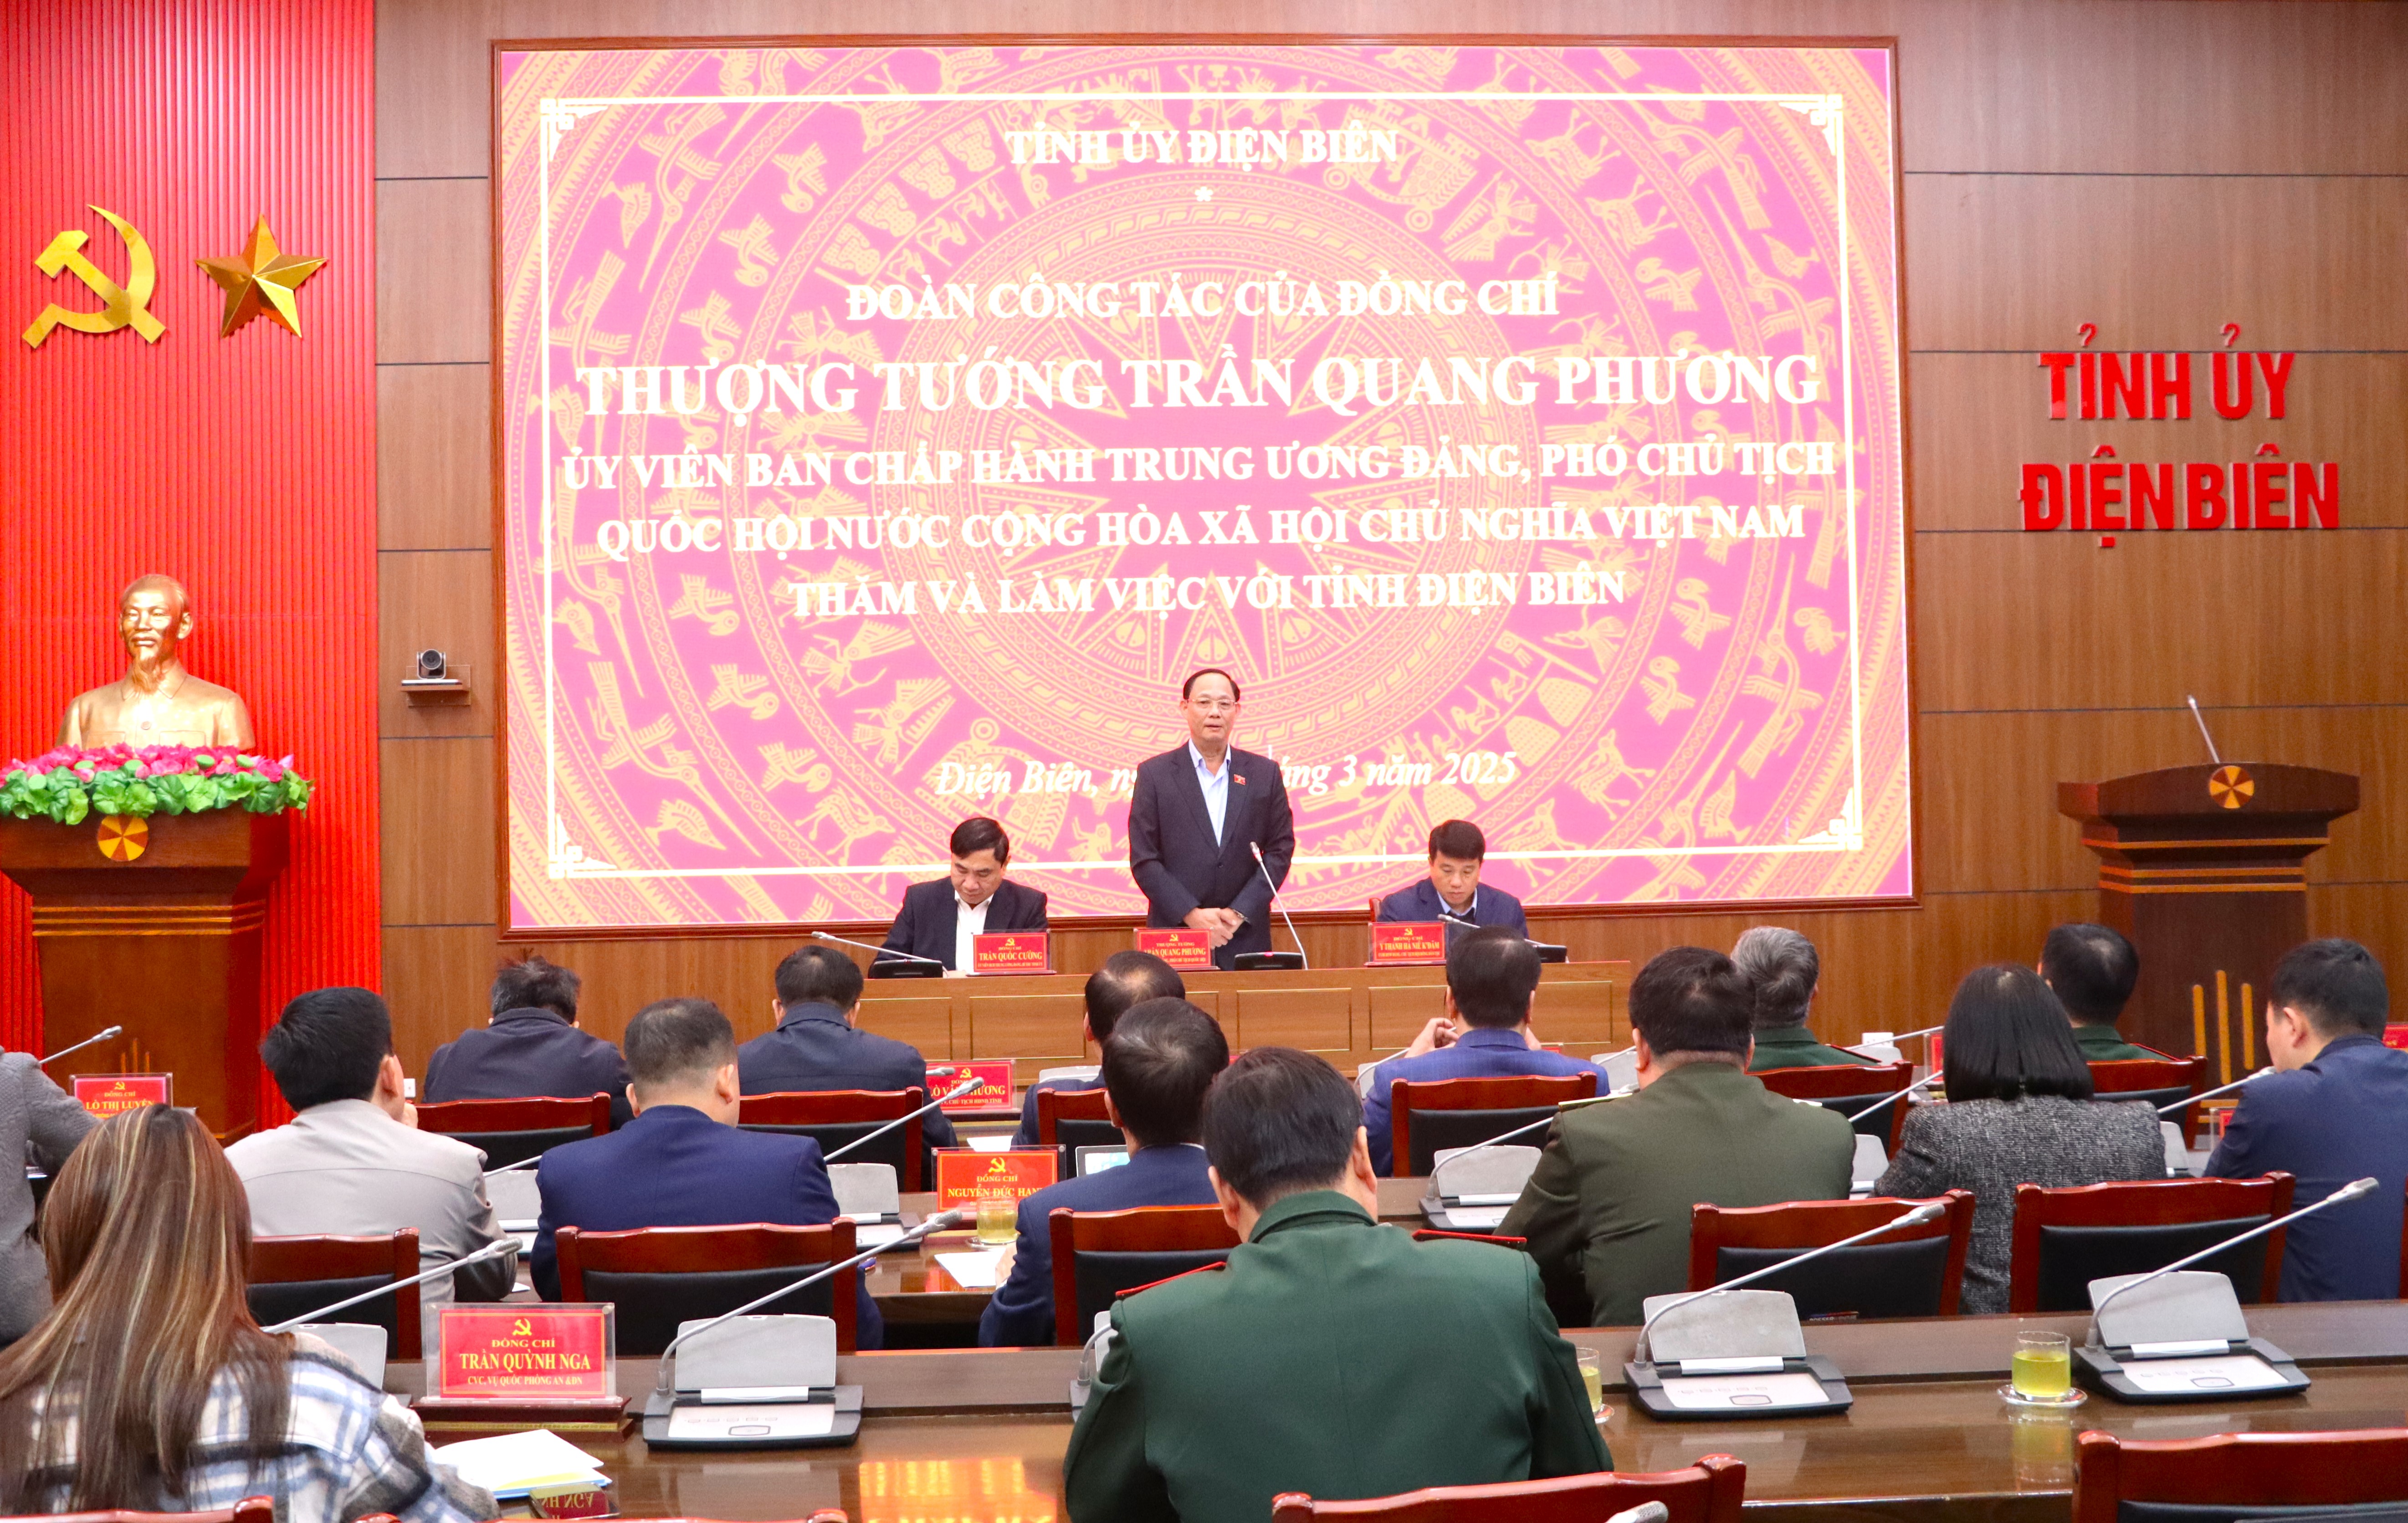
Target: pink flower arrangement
68 782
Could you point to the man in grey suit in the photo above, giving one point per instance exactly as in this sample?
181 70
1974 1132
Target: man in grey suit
1197 816
353 1160
41 1121
1610 1202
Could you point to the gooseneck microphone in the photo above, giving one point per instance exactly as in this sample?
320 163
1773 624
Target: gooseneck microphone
1898 1037
2209 1094
79 1046
1929 1211
491 1250
882 950
938 1223
965 1087
1893 1099
1263 867
2350 1191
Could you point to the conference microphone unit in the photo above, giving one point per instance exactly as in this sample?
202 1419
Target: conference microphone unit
491 1250
1746 1359
1482 1195
2188 1340
774 1386
889 963
965 1087
1892 1099
1548 951
1252 962
79 1046
2211 1094
1897 1038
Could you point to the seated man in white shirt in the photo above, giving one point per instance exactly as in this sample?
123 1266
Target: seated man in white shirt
940 918
353 1160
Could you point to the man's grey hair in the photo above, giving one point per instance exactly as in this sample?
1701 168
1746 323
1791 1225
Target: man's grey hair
1781 966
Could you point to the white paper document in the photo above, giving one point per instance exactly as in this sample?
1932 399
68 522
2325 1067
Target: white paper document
868 1235
1477 1218
2216 1372
992 1143
973 1271
511 1464
1744 1393
768 1419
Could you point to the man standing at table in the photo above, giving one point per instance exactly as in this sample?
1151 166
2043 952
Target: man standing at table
942 918
1452 894
1197 817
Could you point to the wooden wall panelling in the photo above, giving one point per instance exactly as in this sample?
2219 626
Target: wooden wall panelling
926 1022
438 831
437 979
1394 1017
434 270
1040 1029
1307 1018
434 457
442 598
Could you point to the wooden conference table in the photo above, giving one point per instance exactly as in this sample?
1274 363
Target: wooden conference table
966 1436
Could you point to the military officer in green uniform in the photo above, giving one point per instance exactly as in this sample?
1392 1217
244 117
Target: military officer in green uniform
2092 970
1333 1355
1782 968
1609 1204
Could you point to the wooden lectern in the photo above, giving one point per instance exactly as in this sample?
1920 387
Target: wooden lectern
2205 869
154 924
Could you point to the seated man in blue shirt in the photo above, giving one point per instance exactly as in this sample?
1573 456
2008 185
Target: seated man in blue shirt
1492 976
1452 894
1126 980
1159 1061
2336 1110
682 1161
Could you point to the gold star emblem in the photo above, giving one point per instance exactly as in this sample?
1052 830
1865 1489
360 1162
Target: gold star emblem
260 280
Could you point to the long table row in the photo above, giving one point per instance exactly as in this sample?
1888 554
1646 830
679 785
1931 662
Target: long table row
978 1434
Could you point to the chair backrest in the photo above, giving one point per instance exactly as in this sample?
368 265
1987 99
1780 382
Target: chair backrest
291 1277
1849 1088
660 1277
1099 1255
1709 1492
2160 1080
2236 1476
1432 1116
834 1118
511 1130
1914 1272
2065 1239
1070 1120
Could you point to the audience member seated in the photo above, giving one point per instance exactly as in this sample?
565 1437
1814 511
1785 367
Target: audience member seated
1491 978
1159 1061
682 1161
2018 1090
1783 969
941 919
149 1387
1450 894
2335 1110
353 1160
1609 1205
1126 980
42 1123
2091 970
1333 1355
532 1048
816 1045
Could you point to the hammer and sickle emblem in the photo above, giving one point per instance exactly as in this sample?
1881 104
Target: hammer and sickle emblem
124 306
521 1328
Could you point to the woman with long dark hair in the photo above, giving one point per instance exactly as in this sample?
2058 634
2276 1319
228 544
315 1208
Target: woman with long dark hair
150 1387
2018 1112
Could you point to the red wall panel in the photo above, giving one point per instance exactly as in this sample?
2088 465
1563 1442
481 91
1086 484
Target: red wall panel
245 465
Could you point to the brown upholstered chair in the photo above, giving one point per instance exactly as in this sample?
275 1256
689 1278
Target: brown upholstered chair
1709 1492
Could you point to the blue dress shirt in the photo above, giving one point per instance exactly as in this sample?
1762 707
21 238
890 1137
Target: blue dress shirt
1480 1053
1215 786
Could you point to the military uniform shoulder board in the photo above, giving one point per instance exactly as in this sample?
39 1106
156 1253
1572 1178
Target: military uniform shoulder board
1200 1269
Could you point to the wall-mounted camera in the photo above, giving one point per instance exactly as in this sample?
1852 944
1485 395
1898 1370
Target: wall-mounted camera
434 678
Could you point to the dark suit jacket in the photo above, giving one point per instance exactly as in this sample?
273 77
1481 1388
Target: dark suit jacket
815 1048
675 1167
925 926
1611 1199
528 1052
1334 1356
1176 862
1489 907
2342 1117
1022 1311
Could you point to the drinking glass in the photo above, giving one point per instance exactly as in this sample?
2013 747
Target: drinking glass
998 1220
1592 1369
2042 1371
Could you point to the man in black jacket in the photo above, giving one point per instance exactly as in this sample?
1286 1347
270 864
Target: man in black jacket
816 1047
532 1048
1197 817
941 916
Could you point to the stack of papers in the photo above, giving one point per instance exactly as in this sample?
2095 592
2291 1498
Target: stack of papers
512 1465
975 1271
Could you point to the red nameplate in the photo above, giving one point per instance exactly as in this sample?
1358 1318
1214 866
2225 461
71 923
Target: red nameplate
1408 940
1012 952
1179 946
519 1352
2395 1036
111 1094
964 1175
994 1086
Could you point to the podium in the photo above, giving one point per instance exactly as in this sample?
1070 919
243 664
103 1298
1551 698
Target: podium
155 925
2205 869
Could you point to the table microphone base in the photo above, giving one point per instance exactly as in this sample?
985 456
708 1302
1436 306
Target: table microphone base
1810 1386
902 967
674 1423
2237 1371
1264 962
